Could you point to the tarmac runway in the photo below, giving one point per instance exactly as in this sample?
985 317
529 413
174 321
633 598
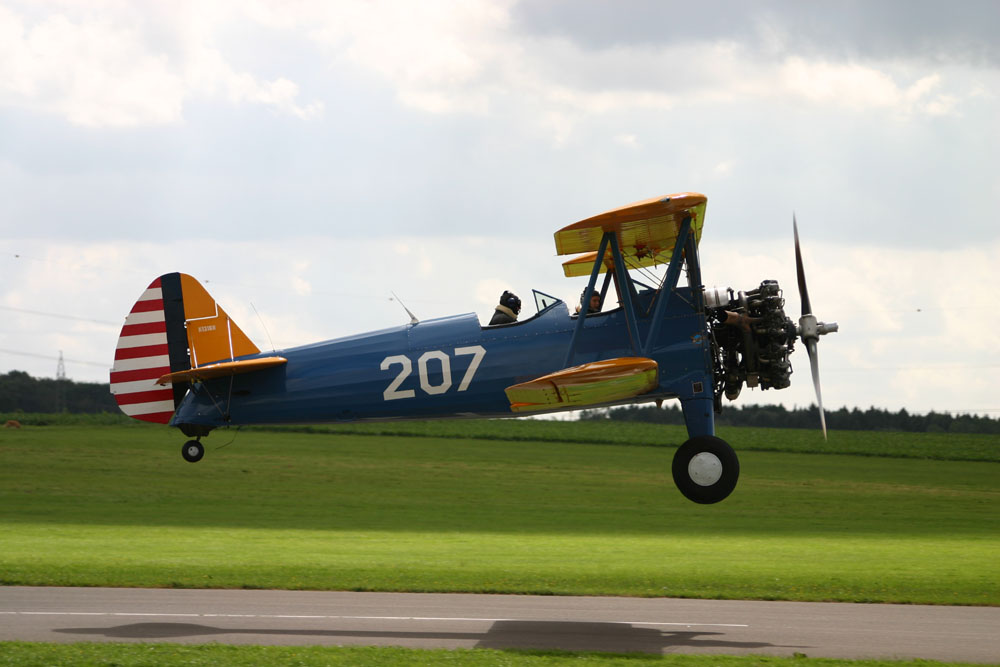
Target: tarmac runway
658 626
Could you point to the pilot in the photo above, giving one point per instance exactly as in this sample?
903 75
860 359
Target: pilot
595 302
507 310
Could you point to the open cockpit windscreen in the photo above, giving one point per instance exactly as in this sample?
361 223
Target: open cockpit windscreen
544 301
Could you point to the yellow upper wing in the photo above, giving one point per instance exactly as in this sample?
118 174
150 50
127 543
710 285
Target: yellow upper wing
646 230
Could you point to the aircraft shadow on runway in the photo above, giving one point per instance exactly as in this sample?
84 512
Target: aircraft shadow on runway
560 635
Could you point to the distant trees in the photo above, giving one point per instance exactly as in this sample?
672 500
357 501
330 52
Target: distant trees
777 416
21 392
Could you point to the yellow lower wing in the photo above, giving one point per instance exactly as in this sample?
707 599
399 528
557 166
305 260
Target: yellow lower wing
588 384
221 370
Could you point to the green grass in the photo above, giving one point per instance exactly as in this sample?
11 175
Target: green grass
891 444
18 654
118 506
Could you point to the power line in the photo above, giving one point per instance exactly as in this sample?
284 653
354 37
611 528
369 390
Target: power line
54 358
59 316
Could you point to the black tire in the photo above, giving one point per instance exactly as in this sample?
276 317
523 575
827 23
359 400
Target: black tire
192 451
706 469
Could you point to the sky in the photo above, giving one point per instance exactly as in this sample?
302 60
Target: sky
306 160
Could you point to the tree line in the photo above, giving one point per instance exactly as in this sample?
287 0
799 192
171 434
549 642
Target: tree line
777 416
22 392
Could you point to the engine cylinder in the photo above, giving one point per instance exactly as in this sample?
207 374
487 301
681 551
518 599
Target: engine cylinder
718 297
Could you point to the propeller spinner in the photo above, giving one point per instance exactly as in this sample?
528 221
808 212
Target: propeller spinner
810 329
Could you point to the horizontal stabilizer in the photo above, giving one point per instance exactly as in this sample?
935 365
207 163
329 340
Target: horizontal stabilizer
221 370
589 384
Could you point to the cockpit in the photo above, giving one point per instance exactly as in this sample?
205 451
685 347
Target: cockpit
543 303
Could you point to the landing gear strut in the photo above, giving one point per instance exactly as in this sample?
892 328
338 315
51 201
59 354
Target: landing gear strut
705 469
192 451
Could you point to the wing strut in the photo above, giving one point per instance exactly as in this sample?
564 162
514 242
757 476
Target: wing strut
669 282
586 296
625 294
625 290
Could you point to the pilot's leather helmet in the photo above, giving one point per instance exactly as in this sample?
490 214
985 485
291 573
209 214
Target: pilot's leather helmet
510 300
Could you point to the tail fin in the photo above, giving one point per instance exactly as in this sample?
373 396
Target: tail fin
175 325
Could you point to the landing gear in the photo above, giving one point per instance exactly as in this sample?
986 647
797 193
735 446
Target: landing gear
705 469
192 451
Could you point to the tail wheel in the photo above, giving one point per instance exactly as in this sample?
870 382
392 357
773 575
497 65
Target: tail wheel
706 469
192 451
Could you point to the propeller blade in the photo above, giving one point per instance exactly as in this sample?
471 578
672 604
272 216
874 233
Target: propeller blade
803 292
814 366
810 329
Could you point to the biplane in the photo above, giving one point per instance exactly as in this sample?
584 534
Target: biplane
182 361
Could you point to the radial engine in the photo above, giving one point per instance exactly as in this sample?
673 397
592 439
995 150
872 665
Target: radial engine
751 339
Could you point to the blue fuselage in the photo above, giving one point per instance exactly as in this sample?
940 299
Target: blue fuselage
450 367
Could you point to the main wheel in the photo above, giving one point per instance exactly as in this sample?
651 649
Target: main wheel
706 469
192 451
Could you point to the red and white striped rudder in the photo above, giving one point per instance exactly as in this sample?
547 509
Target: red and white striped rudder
143 355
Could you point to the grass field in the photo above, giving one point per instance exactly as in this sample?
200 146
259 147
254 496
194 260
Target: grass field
118 506
891 444
164 655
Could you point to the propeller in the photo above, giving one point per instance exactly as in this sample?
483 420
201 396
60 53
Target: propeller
810 329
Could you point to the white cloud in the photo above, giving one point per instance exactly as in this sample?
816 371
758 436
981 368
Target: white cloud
103 68
93 72
440 56
629 140
462 57
123 65
852 86
488 291
300 284
724 168
942 105
859 87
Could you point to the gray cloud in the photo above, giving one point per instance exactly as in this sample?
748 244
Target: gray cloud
930 30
